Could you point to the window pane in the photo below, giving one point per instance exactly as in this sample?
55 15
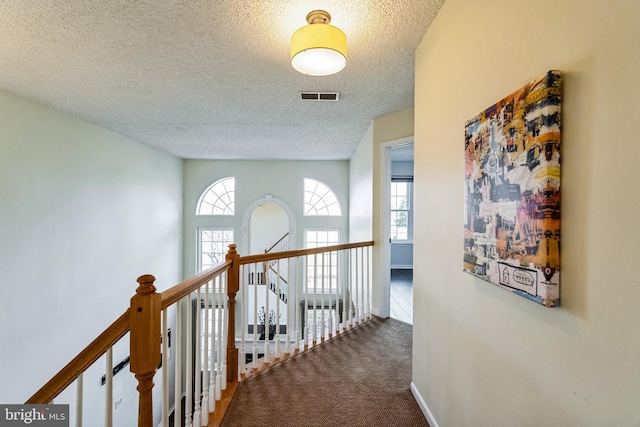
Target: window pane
218 199
400 210
214 245
319 199
314 270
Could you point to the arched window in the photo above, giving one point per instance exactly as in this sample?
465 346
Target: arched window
319 199
218 199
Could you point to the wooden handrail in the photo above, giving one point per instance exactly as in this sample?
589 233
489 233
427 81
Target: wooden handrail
82 361
250 259
182 289
266 251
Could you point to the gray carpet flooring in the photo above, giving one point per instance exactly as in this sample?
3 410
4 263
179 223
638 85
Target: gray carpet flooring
361 378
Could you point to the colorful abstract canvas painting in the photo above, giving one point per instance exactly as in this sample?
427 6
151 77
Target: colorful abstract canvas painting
512 192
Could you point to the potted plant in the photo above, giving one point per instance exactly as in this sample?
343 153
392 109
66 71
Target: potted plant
262 323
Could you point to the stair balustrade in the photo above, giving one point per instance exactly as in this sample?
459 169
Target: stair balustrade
189 334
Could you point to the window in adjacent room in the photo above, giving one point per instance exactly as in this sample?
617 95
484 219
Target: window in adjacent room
401 209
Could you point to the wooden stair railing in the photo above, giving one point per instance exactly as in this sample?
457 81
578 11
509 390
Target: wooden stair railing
144 317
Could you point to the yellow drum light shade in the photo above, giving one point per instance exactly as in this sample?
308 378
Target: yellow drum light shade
318 49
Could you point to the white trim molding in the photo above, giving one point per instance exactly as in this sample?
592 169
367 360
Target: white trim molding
423 406
268 198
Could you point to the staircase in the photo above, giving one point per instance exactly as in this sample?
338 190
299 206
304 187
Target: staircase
198 349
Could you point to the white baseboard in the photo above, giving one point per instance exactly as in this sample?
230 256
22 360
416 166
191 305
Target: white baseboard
378 313
402 267
423 406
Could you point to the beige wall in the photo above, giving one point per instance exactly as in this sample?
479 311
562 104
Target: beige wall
366 184
484 356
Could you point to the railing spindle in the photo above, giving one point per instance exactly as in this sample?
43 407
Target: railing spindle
224 319
323 284
79 400
212 359
244 320
278 293
165 368
293 322
108 389
188 404
205 368
254 360
177 412
197 393
367 305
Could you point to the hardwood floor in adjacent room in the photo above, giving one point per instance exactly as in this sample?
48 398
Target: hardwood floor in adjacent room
402 295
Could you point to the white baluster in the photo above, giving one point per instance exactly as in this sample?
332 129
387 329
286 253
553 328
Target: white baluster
225 328
189 368
315 292
277 335
293 321
336 307
254 361
305 306
198 359
212 359
205 368
219 323
177 349
244 317
346 291
266 323
322 306
369 281
165 368
108 390
79 400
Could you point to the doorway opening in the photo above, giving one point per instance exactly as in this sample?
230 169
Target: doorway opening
400 217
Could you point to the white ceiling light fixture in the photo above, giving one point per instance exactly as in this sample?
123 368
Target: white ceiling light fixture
318 49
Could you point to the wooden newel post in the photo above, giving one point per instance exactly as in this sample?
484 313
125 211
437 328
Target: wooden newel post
144 320
233 286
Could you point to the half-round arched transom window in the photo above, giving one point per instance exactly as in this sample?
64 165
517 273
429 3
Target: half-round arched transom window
319 199
218 199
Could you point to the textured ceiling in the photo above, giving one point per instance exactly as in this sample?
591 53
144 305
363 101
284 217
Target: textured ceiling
212 79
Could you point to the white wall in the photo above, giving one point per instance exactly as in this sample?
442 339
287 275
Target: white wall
487 357
83 212
361 190
269 223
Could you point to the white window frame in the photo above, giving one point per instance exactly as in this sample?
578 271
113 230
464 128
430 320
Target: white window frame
409 210
229 205
322 197
335 285
199 266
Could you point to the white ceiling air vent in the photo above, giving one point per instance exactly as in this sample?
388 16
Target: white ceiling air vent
319 96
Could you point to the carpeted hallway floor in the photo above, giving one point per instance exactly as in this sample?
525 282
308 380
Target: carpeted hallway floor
361 378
